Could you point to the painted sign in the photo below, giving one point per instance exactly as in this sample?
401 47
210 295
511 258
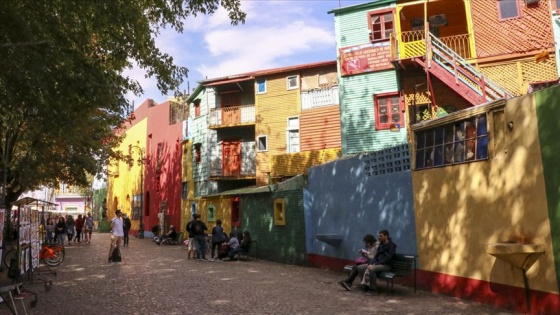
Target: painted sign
365 58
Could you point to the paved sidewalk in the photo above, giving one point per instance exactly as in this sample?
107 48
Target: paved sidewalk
156 279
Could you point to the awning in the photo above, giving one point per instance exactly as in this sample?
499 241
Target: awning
244 191
221 82
28 200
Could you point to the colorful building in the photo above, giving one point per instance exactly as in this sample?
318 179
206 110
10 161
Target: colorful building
146 184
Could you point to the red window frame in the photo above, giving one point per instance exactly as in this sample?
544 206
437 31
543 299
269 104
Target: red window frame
555 5
378 34
235 212
517 5
388 110
196 108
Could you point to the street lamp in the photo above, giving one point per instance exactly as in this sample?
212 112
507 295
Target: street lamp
141 161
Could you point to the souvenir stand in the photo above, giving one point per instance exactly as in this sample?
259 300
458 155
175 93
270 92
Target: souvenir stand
26 261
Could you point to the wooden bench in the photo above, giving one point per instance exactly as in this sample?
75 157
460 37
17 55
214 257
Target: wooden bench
401 266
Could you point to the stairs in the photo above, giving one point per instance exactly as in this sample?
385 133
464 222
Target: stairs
452 69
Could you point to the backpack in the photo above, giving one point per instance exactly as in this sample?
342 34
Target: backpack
116 256
127 224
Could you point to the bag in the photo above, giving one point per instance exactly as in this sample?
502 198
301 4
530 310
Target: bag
365 279
116 256
361 260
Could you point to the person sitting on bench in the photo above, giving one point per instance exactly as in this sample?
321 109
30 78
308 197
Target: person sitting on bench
366 256
381 261
244 246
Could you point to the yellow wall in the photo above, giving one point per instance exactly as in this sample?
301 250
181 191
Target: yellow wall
222 210
273 109
187 176
459 209
121 188
299 163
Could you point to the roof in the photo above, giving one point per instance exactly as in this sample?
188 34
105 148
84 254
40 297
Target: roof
28 200
244 191
372 4
251 75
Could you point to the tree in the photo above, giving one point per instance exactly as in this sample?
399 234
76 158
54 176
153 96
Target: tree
62 88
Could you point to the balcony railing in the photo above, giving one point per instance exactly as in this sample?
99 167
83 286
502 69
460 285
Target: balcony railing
413 44
319 98
232 116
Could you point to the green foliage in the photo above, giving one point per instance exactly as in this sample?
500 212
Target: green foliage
62 91
425 115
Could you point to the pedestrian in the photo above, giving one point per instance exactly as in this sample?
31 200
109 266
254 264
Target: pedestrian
70 229
218 238
60 230
88 227
191 247
79 224
50 231
126 228
117 233
198 229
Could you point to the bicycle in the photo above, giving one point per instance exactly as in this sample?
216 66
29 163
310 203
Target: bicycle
51 254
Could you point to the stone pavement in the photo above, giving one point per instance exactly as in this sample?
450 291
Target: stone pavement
154 279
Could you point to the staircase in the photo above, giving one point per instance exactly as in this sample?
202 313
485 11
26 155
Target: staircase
452 69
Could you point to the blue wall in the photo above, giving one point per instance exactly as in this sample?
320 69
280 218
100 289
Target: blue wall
341 198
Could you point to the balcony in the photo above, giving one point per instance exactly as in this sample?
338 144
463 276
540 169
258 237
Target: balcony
319 98
231 116
413 44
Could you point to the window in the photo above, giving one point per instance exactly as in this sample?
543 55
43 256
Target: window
279 212
262 142
211 213
556 5
292 134
235 212
184 191
292 82
261 86
454 143
508 9
381 25
389 111
196 105
197 153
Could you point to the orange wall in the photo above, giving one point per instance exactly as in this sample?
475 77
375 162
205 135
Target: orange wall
320 128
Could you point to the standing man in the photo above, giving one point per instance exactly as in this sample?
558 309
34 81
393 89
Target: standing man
117 232
88 227
126 228
198 229
191 248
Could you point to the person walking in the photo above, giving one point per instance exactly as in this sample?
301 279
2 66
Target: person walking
70 229
198 229
127 224
88 227
50 231
218 238
191 247
60 230
79 226
117 233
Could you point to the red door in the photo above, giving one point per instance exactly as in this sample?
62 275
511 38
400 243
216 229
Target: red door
231 112
231 158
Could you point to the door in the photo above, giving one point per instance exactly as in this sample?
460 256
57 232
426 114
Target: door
231 111
231 158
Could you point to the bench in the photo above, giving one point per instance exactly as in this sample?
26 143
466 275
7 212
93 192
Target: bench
401 266
247 253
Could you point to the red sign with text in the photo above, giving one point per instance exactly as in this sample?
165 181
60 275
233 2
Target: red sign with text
365 58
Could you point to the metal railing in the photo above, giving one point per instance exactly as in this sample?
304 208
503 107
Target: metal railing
319 98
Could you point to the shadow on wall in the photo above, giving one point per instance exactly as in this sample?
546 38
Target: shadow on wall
343 200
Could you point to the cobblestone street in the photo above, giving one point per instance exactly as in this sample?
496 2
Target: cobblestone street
161 280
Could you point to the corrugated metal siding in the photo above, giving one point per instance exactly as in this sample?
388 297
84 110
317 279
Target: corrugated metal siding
273 109
531 31
358 120
291 164
320 128
352 27
248 160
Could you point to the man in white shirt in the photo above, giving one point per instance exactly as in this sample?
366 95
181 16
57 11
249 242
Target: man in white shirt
117 232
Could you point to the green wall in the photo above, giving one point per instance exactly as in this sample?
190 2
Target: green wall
548 115
285 244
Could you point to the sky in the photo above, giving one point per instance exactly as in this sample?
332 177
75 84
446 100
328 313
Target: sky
275 34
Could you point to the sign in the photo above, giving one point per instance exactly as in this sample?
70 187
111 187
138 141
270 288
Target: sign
365 58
